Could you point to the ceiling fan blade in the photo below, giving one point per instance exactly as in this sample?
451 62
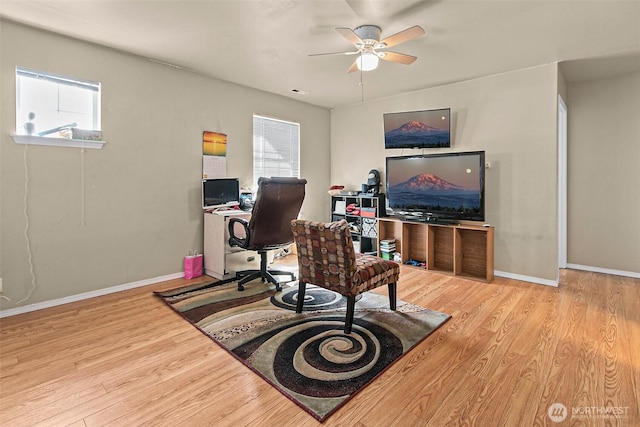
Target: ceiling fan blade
350 35
403 36
355 52
400 58
354 67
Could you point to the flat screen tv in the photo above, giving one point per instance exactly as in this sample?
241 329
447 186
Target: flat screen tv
417 129
437 186
220 192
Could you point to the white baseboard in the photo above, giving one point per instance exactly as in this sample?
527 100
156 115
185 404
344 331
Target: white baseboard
87 295
523 278
132 285
633 274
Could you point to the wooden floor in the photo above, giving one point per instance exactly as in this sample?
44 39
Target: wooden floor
511 350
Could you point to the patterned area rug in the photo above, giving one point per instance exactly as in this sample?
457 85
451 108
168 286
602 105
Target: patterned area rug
306 356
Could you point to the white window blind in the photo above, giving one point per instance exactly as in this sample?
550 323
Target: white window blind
276 148
48 101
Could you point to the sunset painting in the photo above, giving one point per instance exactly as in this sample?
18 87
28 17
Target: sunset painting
214 144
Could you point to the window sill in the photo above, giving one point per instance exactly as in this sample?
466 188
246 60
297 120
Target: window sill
57 142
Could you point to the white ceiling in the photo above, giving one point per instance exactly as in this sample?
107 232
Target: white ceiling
266 44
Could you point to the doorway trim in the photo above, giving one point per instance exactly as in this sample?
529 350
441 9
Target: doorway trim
562 183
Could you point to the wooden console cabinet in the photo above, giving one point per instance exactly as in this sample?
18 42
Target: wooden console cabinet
460 250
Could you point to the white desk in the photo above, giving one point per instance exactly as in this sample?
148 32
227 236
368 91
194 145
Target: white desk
221 260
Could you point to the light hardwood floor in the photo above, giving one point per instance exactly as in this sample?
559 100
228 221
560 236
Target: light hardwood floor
511 350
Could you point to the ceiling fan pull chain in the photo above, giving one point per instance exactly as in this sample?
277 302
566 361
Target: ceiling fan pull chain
361 87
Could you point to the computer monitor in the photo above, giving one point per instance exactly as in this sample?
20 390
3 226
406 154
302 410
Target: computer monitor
220 192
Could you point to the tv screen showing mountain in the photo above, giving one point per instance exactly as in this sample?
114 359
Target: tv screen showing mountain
428 191
447 185
417 129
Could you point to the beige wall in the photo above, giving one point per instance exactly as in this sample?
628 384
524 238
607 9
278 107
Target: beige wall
512 117
130 211
604 173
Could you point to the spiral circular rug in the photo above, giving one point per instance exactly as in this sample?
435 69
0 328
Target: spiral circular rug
306 356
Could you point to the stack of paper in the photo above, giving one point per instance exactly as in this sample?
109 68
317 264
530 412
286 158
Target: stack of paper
387 248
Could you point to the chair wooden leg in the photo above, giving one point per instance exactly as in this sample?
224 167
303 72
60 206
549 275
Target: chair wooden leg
392 296
351 308
301 289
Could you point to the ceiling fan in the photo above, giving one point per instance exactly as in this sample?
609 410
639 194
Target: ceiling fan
366 39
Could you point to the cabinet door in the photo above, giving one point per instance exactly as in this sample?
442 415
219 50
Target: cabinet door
217 248
238 261
214 245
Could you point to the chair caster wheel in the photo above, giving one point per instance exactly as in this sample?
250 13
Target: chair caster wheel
240 288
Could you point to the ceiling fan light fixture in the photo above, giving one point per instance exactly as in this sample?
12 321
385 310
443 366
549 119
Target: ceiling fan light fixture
366 40
367 61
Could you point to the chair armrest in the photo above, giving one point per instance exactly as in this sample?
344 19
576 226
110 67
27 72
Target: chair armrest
237 240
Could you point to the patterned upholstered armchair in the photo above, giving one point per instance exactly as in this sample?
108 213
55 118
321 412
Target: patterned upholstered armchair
326 258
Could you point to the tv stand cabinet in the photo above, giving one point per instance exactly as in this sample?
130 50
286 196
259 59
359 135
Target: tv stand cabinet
459 250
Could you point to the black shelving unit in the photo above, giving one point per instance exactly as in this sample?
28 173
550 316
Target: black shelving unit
362 213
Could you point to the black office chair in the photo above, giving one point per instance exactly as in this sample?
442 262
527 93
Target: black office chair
277 202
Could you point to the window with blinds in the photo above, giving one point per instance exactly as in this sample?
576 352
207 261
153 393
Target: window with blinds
276 148
46 101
